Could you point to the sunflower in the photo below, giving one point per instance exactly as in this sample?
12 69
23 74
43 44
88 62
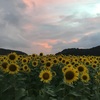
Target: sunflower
13 68
94 66
1 59
64 69
12 57
41 54
55 61
70 75
87 63
67 61
33 56
34 63
43 61
48 64
4 66
53 73
60 58
81 68
85 77
25 67
63 61
24 60
46 76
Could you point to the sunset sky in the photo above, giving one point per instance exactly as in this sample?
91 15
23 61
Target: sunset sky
49 26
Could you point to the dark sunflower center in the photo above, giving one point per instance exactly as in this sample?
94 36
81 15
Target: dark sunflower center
24 60
69 75
12 57
87 63
67 62
33 55
81 69
12 67
60 59
55 61
41 54
25 67
73 63
45 76
95 61
34 63
65 69
94 66
63 61
48 64
84 77
4 65
42 61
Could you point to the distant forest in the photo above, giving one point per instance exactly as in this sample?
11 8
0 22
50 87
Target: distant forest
7 51
95 51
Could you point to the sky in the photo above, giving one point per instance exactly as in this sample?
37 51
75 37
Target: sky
49 26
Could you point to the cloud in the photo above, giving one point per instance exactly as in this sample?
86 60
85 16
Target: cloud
48 25
87 41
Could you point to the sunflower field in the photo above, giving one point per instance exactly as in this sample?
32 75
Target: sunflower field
49 77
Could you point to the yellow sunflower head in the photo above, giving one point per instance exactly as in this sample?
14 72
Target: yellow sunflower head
4 66
42 61
34 63
48 64
64 69
70 75
45 76
13 68
41 54
33 56
67 61
60 58
55 61
94 66
12 57
25 67
85 77
81 68
63 61
24 60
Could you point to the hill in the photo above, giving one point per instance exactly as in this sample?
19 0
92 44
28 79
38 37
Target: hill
7 51
95 51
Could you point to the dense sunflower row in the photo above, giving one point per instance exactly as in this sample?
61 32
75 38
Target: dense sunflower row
49 68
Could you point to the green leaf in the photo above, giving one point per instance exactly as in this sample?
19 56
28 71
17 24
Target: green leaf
19 93
74 93
29 98
8 94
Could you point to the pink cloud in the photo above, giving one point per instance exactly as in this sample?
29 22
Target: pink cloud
73 40
29 27
43 44
44 47
59 2
30 5
51 41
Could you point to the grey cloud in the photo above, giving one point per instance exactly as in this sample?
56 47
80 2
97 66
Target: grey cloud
85 42
7 41
13 19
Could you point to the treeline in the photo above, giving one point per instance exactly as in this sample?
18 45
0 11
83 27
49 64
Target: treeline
7 51
95 51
